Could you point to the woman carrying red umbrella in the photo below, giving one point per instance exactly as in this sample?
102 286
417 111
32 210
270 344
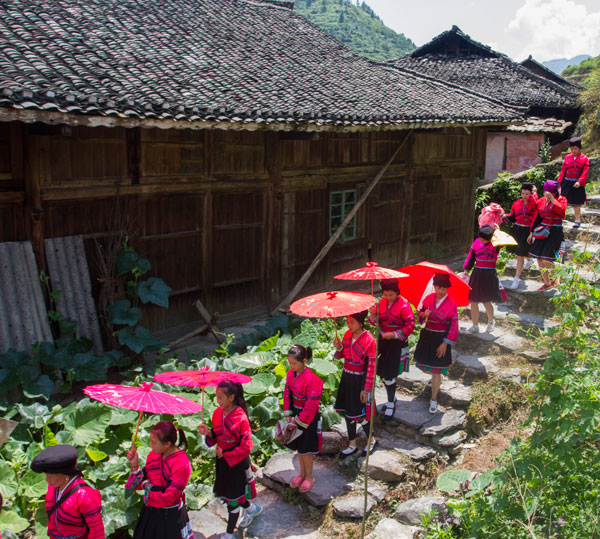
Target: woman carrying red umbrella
397 321
163 479
355 393
232 435
440 316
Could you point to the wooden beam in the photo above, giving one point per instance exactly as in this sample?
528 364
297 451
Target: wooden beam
273 244
407 225
134 155
331 242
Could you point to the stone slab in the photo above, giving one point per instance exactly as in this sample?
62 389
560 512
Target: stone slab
409 448
412 511
476 365
388 528
353 506
283 467
415 378
207 525
441 423
412 412
385 465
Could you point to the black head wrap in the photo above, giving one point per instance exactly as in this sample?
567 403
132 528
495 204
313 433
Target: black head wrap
360 317
575 141
57 459
486 232
442 279
390 284
527 185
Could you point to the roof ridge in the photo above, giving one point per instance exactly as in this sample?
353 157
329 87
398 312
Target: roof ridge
454 30
286 4
530 58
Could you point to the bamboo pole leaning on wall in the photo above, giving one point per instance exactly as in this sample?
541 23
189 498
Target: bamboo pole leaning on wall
327 247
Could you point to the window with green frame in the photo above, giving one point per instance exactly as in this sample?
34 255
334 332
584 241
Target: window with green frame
340 205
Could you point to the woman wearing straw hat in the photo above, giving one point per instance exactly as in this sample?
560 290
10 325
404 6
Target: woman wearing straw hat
74 509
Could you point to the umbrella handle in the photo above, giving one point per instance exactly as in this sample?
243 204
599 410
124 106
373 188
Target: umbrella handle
137 428
335 326
203 405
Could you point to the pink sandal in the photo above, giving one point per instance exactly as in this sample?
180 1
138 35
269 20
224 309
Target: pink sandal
306 485
297 481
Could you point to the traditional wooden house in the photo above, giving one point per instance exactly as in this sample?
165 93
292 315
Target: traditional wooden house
237 135
551 100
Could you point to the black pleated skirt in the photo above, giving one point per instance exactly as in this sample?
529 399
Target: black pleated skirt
425 353
309 442
234 484
548 248
485 286
157 523
520 233
347 401
574 196
393 358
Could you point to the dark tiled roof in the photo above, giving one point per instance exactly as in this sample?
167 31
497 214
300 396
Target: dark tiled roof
237 61
540 69
485 71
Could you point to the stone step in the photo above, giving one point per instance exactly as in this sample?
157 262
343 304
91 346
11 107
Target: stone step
528 298
593 201
500 341
588 215
278 519
452 392
485 366
591 248
511 267
505 315
586 230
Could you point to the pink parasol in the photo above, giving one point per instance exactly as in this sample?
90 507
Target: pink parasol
200 378
332 304
370 272
420 283
142 399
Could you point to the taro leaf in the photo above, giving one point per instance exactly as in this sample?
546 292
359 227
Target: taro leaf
87 424
261 383
281 370
88 367
95 454
143 265
126 261
9 520
253 360
451 480
122 313
48 354
139 340
120 416
269 344
280 322
154 290
66 326
49 438
480 482
119 509
14 366
323 367
116 358
35 414
32 485
308 335
42 387
8 484
267 410
41 522
197 495
329 417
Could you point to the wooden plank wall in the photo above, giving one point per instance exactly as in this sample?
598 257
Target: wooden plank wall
234 218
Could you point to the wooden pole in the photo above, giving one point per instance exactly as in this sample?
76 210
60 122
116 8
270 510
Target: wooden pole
327 247
137 428
203 405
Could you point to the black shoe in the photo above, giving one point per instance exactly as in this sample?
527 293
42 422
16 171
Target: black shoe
373 446
348 453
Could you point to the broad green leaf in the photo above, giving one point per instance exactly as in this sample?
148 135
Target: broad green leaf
49 438
140 339
308 335
154 290
86 425
281 370
35 414
126 261
481 482
323 367
41 522
143 265
95 455
8 485
123 313
121 416
256 387
42 387
33 485
451 480
268 344
253 360
9 520
116 358
88 367
66 326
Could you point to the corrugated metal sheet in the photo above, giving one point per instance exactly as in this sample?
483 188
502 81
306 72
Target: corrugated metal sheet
23 317
69 273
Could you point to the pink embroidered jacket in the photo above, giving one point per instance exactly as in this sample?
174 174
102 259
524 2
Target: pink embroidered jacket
482 255
80 515
551 214
306 389
575 169
443 318
359 356
167 478
397 318
232 434
521 213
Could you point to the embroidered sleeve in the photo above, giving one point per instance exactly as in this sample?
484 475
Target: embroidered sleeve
135 480
212 439
313 398
370 359
559 207
239 453
408 322
90 506
287 405
470 261
563 170
179 477
452 336
584 173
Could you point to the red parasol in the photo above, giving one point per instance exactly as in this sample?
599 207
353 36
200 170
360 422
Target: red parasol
200 378
332 304
370 272
420 278
142 399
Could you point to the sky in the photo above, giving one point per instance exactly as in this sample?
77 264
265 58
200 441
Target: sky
546 29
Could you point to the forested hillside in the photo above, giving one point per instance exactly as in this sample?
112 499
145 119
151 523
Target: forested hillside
357 26
576 73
